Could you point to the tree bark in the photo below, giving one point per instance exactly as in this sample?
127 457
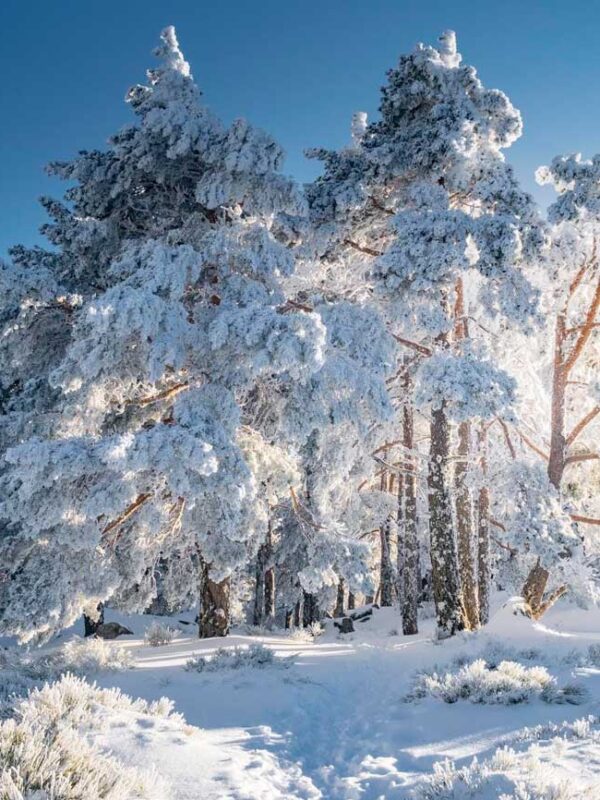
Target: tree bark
386 583
351 601
465 529
408 543
444 558
90 626
269 577
214 605
310 610
339 603
483 535
556 461
259 586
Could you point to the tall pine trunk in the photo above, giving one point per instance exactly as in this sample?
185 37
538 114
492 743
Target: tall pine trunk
483 534
556 462
310 609
339 602
259 586
386 570
465 529
269 577
408 543
444 557
465 524
214 605
264 581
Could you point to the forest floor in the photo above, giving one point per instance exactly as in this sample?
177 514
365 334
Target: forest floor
335 722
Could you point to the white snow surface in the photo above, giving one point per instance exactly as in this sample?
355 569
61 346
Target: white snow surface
337 724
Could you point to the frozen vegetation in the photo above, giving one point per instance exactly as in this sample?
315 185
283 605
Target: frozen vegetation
325 457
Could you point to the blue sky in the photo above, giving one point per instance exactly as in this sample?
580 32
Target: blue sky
298 68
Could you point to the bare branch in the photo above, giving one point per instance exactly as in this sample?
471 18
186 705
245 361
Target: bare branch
129 511
582 424
166 394
420 348
363 249
581 457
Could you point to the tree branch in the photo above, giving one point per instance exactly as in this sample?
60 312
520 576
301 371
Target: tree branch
172 391
581 457
582 424
585 520
420 348
363 249
129 511
586 332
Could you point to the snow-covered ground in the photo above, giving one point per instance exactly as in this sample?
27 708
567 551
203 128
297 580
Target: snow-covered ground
337 723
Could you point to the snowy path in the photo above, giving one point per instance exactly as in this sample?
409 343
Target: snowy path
334 725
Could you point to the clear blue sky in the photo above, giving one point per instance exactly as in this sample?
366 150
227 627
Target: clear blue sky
298 68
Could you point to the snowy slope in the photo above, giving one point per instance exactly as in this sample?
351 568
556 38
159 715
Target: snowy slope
346 717
336 723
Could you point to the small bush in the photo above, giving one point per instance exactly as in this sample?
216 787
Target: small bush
158 634
257 656
307 634
507 683
23 670
507 775
44 755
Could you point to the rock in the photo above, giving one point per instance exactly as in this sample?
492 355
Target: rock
110 630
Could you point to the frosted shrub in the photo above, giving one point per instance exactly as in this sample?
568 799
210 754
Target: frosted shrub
507 775
256 656
508 683
158 634
22 670
44 755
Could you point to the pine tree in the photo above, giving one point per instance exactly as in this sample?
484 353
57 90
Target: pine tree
167 249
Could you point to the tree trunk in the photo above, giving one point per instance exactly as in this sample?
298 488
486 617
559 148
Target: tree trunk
269 577
289 616
310 610
444 558
90 626
259 586
408 543
386 583
483 535
465 529
339 603
351 601
556 462
214 605
297 615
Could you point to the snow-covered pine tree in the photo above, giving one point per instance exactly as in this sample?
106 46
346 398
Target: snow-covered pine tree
559 410
420 203
166 243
